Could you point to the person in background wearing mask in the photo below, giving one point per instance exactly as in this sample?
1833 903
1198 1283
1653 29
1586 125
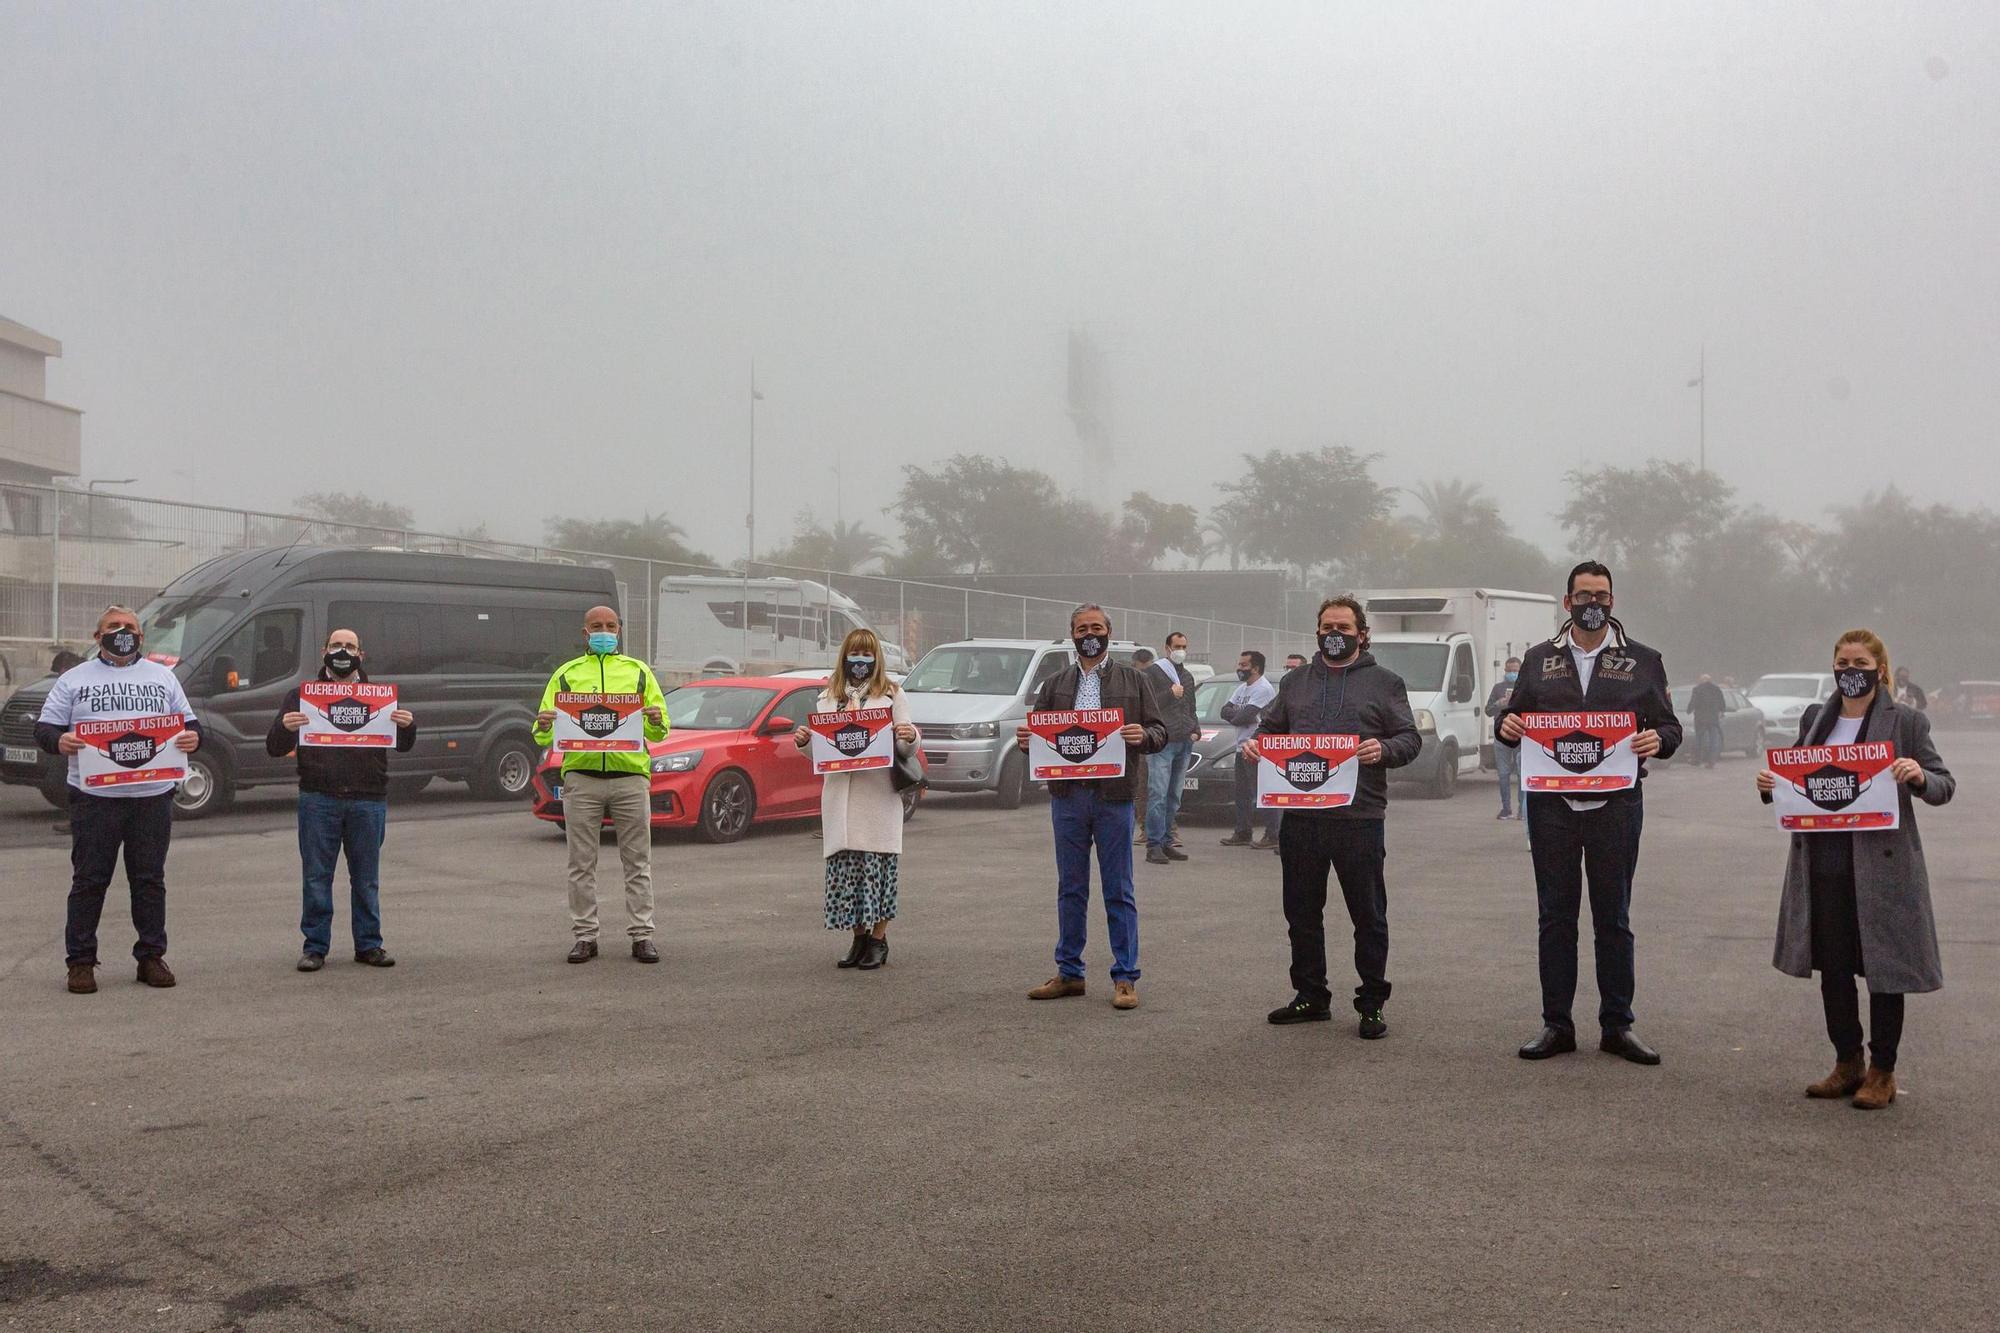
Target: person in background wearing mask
1247 702
1506 758
1908 693
343 803
1293 661
1141 659
136 818
861 814
1706 703
1590 664
1166 770
1097 811
1344 692
618 787
1859 903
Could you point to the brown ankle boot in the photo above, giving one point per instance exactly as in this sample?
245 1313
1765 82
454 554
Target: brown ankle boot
1878 1089
1842 1082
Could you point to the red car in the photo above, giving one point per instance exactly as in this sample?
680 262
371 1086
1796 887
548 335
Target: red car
728 761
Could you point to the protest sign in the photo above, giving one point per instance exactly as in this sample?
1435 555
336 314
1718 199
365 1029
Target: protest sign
1065 744
1835 788
118 752
599 723
1578 753
349 713
1306 772
852 740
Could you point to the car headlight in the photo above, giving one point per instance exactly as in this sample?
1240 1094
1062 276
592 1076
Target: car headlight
680 761
975 731
1425 722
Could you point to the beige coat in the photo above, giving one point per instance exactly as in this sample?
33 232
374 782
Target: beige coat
862 812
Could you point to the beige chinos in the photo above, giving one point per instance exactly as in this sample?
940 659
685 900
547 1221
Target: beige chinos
626 799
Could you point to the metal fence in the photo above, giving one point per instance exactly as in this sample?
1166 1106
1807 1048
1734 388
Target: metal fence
66 554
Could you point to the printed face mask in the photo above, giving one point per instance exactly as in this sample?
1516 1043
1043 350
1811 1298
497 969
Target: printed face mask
340 661
602 642
860 668
1591 618
119 641
1089 645
1337 646
1855 681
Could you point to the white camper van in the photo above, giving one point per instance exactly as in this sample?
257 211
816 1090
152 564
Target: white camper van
713 625
1449 645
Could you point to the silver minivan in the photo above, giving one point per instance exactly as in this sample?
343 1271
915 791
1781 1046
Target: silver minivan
967 699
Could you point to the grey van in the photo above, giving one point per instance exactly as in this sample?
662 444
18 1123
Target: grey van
468 642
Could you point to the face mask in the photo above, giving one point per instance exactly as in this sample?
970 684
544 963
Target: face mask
1513 676
602 643
119 642
1089 646
1337 646
1242 674
1591 618
1855 681
1177 656
860 668
340 661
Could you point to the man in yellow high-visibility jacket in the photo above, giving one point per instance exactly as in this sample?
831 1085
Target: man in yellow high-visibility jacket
614 785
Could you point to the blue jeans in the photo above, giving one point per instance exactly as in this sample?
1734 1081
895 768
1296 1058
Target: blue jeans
1082 816
328 824
1164 772
1507 762
1707 741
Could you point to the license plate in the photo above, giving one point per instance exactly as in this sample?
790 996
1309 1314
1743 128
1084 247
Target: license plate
555 791
1190 784
22 754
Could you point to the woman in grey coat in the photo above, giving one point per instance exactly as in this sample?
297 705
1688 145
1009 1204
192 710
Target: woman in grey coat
1859 903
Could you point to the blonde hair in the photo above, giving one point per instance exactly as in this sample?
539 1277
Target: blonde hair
862 640
1877 649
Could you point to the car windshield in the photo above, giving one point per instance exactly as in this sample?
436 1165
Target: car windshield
1421 665
965 669
1786 687
1210 695
179 627
715 707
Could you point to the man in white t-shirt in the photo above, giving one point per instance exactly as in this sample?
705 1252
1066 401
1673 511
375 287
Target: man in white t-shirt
1247 702
116 683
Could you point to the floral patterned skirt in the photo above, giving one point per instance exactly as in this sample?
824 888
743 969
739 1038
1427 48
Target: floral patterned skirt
860 889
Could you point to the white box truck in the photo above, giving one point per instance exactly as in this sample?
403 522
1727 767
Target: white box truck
714 625
1450 645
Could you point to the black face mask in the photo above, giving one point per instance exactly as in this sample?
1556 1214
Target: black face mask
119 642
860 668
1089 646
1591 618
340 662
1242 674
1337 646
1854 682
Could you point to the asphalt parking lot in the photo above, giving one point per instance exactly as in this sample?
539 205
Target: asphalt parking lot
745 1138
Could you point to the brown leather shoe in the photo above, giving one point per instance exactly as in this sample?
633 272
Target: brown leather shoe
1057 988
1842 1082
83 978
1878 1089
154 972
1124 995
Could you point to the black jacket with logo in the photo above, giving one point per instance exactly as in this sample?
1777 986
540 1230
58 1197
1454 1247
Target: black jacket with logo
325 770
1630 678
1362 699
1120 686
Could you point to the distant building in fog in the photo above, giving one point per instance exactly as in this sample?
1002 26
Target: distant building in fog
39 440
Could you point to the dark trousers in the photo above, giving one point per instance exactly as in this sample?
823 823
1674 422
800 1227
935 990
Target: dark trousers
1353 850
1568 847
1843 1020
1246 802
99 827
1707 741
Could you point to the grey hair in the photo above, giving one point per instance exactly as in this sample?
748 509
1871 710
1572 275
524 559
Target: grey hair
1089 606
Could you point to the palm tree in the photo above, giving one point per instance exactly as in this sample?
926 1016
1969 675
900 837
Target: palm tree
1452 508
849 546
1227 531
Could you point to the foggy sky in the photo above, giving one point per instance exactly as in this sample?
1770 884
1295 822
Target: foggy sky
505 261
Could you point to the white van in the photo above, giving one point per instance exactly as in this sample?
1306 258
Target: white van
1450 645
713 625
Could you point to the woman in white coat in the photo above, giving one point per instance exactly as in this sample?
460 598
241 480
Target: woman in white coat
862 813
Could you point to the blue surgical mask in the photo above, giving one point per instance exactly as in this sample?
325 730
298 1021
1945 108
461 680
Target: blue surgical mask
1513 676
603 643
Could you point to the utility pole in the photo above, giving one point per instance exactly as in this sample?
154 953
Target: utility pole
1700 381
750 519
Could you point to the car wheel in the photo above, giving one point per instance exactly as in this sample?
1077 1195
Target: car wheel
1446 782
727 807
506 772
1013 781
205 791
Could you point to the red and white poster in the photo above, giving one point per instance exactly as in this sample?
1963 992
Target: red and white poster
1306 772
1578 753
1835 788
600 723
1065 744
852 740
354 714
118 752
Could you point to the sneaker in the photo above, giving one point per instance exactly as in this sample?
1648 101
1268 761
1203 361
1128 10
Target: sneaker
311 962
83 979
1057 988
155 972
1299 1011
1503 815
1372 1026
377 957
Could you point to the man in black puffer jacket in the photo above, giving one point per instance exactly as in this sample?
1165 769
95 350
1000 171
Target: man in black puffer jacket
343 803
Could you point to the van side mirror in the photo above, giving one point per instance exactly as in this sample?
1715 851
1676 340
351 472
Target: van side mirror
223 676
1461 690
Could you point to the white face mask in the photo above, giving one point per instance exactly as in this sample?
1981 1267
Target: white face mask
1177 656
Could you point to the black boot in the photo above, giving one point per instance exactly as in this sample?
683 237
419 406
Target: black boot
874 954
853 958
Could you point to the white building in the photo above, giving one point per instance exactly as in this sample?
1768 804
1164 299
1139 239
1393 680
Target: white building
39 440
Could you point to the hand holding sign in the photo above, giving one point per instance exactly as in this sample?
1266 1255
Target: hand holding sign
1307 772
1068 744
348 714
1581 753
599 723
852 740
1836 788
118 752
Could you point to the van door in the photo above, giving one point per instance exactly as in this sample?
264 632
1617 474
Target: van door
243 685
1462 705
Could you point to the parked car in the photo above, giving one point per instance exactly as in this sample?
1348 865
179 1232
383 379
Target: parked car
728 761
1967 703
1210 784
1742 724
967 698
1783 699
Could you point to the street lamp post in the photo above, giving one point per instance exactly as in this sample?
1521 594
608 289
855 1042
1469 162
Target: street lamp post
1700 381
